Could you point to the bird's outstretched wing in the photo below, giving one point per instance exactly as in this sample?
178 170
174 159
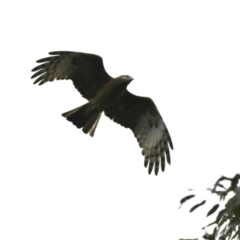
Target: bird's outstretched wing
141 115
85 70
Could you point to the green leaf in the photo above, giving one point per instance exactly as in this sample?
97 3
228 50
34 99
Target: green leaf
197 205
236 234
220 215
224 219
183 200
210 224
213 210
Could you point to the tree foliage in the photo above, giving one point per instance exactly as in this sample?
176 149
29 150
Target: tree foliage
227 222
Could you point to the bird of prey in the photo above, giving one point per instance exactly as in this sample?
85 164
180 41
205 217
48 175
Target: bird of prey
109 95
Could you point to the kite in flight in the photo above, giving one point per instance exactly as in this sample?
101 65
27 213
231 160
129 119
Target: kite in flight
110 95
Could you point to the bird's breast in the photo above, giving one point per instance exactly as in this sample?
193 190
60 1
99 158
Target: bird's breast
107 95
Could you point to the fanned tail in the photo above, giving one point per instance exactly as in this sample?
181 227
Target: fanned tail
85 117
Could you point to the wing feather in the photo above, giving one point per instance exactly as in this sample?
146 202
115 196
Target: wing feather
141 115
85 70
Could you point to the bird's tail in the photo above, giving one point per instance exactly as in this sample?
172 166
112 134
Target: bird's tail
86 117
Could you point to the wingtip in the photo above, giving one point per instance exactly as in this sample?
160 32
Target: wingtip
35 69
35 82
61 53
41 83
169 161
38 82
146 162
150 168
54 53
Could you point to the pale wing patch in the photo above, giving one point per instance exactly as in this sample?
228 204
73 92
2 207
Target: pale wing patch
153 138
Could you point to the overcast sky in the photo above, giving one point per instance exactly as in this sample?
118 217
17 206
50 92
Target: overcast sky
58 183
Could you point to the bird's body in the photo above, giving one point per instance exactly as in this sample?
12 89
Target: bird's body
111 92
109 95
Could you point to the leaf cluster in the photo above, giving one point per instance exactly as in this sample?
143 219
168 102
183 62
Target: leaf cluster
227 222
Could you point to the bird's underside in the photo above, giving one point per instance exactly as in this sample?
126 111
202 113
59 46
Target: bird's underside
108 95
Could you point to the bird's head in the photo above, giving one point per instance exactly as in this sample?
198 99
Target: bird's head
126 79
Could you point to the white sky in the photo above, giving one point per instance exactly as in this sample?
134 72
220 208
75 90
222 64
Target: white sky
58 183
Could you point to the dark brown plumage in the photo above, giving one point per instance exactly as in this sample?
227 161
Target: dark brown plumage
111 96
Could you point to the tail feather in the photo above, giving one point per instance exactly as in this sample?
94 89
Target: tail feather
85 117
90 124
92 130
